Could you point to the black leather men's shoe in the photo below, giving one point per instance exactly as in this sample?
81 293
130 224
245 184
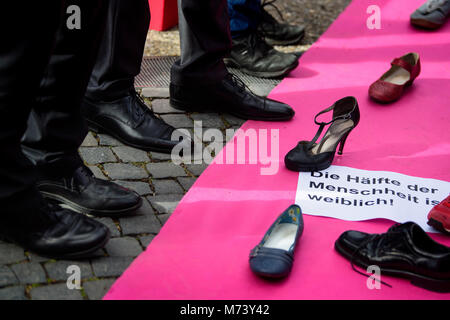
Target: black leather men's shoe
252 55
84 193
404 251
276 33
228 96
130 121
62 234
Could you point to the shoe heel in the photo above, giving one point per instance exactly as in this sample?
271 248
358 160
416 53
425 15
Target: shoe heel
342 143
93 127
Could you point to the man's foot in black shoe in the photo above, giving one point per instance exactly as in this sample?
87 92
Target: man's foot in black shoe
130 121
231 96
58 234
253 56
276 33
84 193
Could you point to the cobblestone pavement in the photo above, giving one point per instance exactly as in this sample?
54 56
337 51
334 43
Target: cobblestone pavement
315 15
161 183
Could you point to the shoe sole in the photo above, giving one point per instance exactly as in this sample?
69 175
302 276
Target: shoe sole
436 285
301 168
198 108
230 62
74 255
307 168
274 42
95 127
425 24
438 226
67 204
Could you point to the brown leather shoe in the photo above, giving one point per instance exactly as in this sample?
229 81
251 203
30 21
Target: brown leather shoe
391 85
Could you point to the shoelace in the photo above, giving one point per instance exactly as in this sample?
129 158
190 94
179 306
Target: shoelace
352 260
380 237
142 110
256 41
237 82
270 3
138 112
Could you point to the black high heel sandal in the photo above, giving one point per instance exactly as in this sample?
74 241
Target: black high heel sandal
311 156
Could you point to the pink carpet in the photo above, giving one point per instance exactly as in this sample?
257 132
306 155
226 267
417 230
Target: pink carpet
202 251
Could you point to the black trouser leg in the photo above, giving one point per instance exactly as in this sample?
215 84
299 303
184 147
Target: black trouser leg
27 38
121 50
205 40
56 127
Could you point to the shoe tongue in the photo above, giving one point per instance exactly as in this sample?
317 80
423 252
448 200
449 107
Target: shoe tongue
405 227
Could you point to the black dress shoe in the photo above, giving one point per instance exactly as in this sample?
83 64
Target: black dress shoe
276 33
229 96
84 193
130 121
404 251
252 55
315 156
62 234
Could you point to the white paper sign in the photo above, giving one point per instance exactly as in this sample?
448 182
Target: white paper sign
352 194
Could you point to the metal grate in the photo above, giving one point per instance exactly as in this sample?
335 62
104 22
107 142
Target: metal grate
155 73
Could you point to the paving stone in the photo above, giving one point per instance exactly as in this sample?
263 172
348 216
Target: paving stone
138 186
97 172
97 155
146 240
232 120
260 89
10 253
96 290
107 140
229 134
196 169
129 154
186 182
123 247
89 141
178 120
13 293
163 106
124 171
143 222
160 156
165 203
163 218
7 277
167 187
110 266
140 224
110 224
209 120
29 272
37 258
55 292
165 170
58 270
155 92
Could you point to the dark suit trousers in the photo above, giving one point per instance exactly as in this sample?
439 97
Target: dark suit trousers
44 70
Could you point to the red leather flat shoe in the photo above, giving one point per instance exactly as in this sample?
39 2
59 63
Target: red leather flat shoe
439 216
391 85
